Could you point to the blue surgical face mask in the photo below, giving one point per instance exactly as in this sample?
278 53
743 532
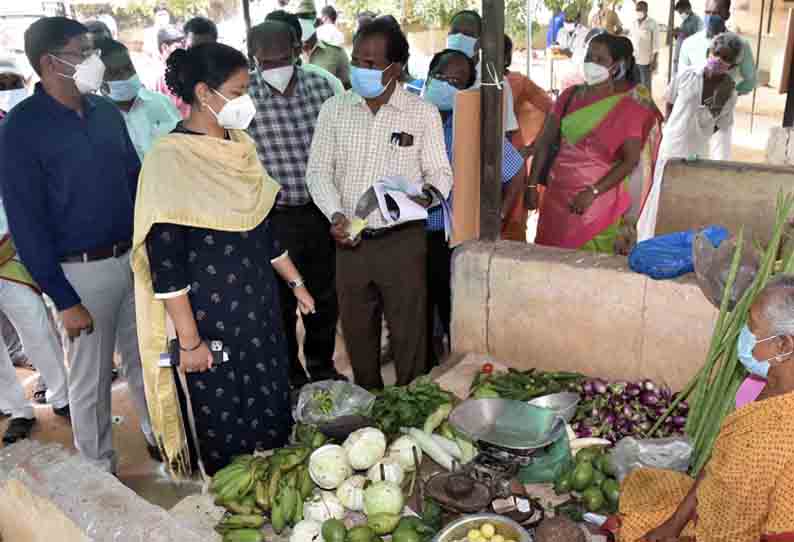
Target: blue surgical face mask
714 25
745 346
125 90
440 93
463 43
368 83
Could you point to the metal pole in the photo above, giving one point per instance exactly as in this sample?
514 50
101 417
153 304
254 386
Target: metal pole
530 20
671 39
491 131
757 60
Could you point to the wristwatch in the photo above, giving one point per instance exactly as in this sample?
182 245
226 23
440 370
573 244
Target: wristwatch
297 283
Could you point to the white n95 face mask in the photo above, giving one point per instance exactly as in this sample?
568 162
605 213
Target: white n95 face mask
278 78
88 75
237 114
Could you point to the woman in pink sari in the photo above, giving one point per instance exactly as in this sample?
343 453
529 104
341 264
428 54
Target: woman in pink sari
608 132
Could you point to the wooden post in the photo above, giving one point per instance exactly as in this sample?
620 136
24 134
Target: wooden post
671 40
492 132
247 16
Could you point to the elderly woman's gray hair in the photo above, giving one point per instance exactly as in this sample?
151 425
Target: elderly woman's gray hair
778 305
730 41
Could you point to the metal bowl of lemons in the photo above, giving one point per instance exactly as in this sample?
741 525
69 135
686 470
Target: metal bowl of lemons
483 528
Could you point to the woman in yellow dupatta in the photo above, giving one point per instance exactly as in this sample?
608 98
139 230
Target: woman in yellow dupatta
203 253
746 491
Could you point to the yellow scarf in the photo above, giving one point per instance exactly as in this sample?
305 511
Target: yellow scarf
195 181
11 268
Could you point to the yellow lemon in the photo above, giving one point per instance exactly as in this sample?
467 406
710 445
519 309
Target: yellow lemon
487 530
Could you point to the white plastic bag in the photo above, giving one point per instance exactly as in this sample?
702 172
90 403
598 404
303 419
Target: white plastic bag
662 453
322 402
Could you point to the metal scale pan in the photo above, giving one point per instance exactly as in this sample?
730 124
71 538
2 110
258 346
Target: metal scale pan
512 426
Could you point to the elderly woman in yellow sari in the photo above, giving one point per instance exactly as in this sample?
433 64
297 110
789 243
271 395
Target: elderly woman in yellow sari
745 493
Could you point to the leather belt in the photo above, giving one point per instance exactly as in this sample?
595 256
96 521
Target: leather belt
113 251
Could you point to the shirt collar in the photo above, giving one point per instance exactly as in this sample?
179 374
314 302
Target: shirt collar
399 98
88 101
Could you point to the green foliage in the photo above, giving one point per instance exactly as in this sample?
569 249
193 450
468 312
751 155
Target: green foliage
438 13
142 11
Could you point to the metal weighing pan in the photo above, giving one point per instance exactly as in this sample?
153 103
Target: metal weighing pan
509 424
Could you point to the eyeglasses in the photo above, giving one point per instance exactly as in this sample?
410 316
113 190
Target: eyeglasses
459 84
83 55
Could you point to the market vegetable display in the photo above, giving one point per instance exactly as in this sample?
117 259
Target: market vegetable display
591 481
627 409
411 406
521 385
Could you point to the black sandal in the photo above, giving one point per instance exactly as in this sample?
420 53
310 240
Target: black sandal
18 429
40 391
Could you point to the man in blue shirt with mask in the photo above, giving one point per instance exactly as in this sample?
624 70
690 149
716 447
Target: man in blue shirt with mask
69 194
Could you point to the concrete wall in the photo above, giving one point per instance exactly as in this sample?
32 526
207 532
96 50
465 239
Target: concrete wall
780 147
48 495
700 193
553 309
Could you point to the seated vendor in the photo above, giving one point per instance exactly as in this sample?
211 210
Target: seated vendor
745 493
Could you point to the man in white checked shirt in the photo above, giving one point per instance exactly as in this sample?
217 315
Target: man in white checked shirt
376 130
288 101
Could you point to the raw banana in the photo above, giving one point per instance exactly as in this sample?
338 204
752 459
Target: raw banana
243 521
277 516
223 476
261 496
306 484
243 535
273 484
297 516
288 496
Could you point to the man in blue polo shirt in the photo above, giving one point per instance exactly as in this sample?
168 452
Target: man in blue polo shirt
68 173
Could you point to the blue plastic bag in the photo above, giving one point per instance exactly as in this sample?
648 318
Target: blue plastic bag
669 256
